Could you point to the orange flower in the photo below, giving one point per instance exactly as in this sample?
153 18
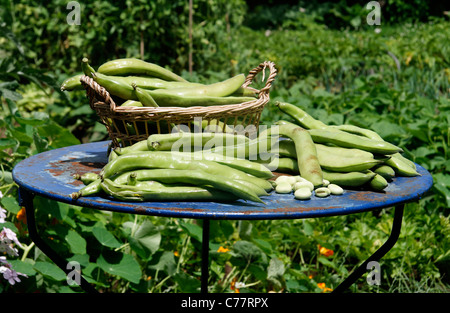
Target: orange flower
233 285
323 287
324 251
21 216
176 253
222 249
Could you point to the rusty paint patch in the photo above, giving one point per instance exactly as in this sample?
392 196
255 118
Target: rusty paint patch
369 196
69 168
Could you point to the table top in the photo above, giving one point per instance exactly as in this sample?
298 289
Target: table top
49 174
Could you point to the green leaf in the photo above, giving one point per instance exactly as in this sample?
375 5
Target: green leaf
10 94
10 204
276 268
275 272
76 243
247 250
326 262
57 135
50 270
194 230
120 264
146 239
105 237
40 143
187 283
308 228
166 262
263 245
23 267
6 143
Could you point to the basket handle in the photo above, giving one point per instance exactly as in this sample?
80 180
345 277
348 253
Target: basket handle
96 89
261 68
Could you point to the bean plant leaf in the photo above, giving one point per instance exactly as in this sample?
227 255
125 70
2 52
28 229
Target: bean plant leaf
194 230
6 143
76 242
275 272
166 262
105 237
10 204
247 250
120 264
146 239
57 136
50 270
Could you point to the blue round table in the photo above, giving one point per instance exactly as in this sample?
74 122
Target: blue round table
50 174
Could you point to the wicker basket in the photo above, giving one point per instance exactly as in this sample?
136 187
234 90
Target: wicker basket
128 125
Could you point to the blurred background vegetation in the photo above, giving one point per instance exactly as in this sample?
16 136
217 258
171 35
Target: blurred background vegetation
393 78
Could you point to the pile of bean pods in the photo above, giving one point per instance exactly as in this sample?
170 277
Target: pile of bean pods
143 84
338 155
151 170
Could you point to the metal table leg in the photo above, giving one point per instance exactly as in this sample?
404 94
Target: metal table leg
390 242
205 256
26 200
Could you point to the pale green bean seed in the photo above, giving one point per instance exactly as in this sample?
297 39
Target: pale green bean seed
283 187
291 180
335 189
298 178
304 184
322 192
303 193
326 183
281 179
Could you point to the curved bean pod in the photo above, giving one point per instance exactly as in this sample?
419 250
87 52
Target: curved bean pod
144 97
164 193
308 162
87 178
157 159
348 140
399 162
189 177
220 89
131 66
350 179
386 171
166 142
92 188
287 149
301 117
378 182
152 83
72 83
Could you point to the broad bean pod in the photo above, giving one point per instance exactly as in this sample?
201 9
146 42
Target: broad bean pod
164 193
349 179
132 66
193 141
348 140
72 83
198 178
308 162
301 117
158 159
335 158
